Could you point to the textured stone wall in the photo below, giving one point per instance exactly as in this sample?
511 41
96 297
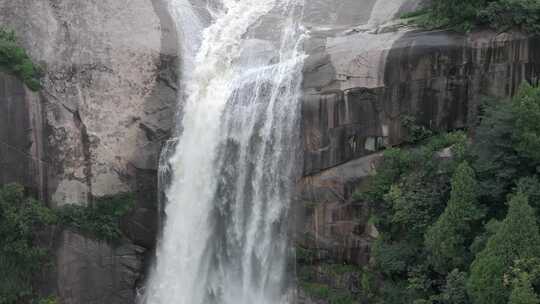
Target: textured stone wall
21 146
359 85
96 128
436 77
109 90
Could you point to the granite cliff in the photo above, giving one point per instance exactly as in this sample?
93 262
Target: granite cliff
108 99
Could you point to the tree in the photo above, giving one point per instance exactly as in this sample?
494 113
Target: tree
449 238
517 238
455 290
457 13
526 131
522 291
497 163
508 142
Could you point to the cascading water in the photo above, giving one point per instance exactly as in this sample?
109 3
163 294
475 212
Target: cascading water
224 239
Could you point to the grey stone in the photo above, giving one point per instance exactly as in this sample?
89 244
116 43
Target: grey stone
329 220
110 69
355 93
93 272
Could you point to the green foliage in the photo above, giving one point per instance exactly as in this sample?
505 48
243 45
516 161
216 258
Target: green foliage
526 129
415 131
325 292
516 238
504 149
15 60
396 162
522 291
367 283
481 239
100 220
20 258
449 238
496 163
531 187
415 205
420 283
506 14
326 280
22 218
463 15
394 292
447 234
48 300
393 259
455 289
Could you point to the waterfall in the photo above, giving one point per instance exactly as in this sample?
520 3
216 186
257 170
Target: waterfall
232 172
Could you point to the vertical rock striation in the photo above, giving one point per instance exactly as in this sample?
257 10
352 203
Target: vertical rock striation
361 81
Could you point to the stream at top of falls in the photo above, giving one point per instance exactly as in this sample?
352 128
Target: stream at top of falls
230 173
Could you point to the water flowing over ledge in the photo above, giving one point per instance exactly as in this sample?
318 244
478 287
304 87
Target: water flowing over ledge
231 176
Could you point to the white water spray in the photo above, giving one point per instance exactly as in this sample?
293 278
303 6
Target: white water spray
224 239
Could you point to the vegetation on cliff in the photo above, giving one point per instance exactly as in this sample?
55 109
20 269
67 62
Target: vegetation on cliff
101 220
461 229
15 60
21 218
463 15
27 228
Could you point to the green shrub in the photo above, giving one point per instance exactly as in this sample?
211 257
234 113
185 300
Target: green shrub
20 258
15 60
100 220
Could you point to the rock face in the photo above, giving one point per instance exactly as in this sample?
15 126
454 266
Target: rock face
21 148
362 81
436 77
95 273
109 89
96 128
108 103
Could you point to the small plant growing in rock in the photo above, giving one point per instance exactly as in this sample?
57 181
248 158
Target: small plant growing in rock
15 60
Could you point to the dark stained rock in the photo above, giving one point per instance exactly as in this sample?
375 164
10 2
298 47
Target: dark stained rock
141 224
438 78
331 222
93 272
21 149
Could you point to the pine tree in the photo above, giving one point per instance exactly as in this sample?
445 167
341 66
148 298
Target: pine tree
449 238
517 238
